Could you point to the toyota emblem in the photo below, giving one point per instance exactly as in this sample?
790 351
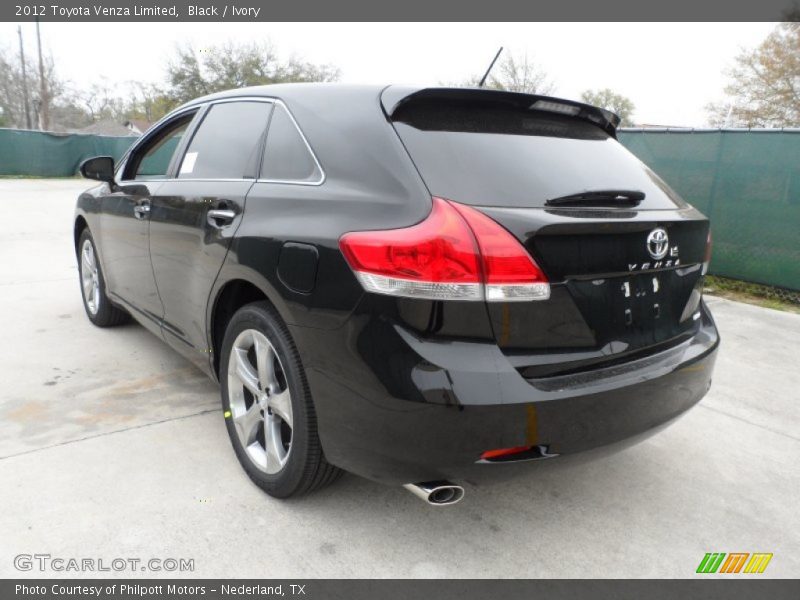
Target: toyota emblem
658 243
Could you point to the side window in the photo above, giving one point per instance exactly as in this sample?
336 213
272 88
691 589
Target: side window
151 161
227 142
287 157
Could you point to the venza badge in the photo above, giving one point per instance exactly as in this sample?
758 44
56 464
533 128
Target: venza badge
658 247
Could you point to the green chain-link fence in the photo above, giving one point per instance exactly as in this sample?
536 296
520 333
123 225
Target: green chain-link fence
747 182
45 154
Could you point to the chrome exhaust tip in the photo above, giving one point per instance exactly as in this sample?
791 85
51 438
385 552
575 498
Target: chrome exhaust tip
436 493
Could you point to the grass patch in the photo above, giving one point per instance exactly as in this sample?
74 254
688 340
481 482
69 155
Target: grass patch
753 293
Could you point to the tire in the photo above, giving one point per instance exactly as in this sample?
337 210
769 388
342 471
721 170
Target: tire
267 405
98 307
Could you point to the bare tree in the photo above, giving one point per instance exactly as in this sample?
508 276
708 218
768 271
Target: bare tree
522 75
190 74
610 100
764 84
12 104
148 101
513 75
193 73
12 89
101 101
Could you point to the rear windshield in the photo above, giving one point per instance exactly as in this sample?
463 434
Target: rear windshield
503 156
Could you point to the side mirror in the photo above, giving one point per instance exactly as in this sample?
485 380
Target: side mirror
100 168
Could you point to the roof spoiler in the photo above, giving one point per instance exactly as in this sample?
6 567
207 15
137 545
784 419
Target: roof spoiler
393 97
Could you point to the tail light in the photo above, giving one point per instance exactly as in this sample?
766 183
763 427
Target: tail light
456 253
707 257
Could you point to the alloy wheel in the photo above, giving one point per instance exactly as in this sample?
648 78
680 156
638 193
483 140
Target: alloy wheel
260 401
90 277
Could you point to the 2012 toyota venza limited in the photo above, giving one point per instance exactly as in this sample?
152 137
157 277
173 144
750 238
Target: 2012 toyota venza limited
416 285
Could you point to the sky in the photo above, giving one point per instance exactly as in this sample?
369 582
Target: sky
671 71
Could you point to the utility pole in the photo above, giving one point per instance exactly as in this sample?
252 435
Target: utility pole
24 82
44 93
727 122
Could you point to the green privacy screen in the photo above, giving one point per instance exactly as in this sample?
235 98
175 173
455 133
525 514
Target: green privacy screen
747 183
44 154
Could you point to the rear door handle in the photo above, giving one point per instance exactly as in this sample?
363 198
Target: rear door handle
220 217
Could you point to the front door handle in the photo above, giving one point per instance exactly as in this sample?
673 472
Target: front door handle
220 217
141 211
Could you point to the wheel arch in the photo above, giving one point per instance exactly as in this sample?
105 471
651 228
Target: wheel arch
232 295
80 225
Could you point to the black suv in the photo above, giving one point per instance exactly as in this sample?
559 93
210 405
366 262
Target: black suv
413 285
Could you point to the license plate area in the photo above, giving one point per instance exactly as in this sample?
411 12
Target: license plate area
637 309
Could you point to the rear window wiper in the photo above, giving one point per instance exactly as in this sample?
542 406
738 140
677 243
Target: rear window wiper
599 198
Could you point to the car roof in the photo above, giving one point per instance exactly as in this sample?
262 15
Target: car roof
394 96
292 91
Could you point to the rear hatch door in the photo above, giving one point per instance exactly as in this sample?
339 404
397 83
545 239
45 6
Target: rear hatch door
623 253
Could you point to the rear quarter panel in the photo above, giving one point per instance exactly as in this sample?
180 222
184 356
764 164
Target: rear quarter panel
370 183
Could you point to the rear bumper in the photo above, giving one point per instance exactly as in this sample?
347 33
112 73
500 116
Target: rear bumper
414 410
